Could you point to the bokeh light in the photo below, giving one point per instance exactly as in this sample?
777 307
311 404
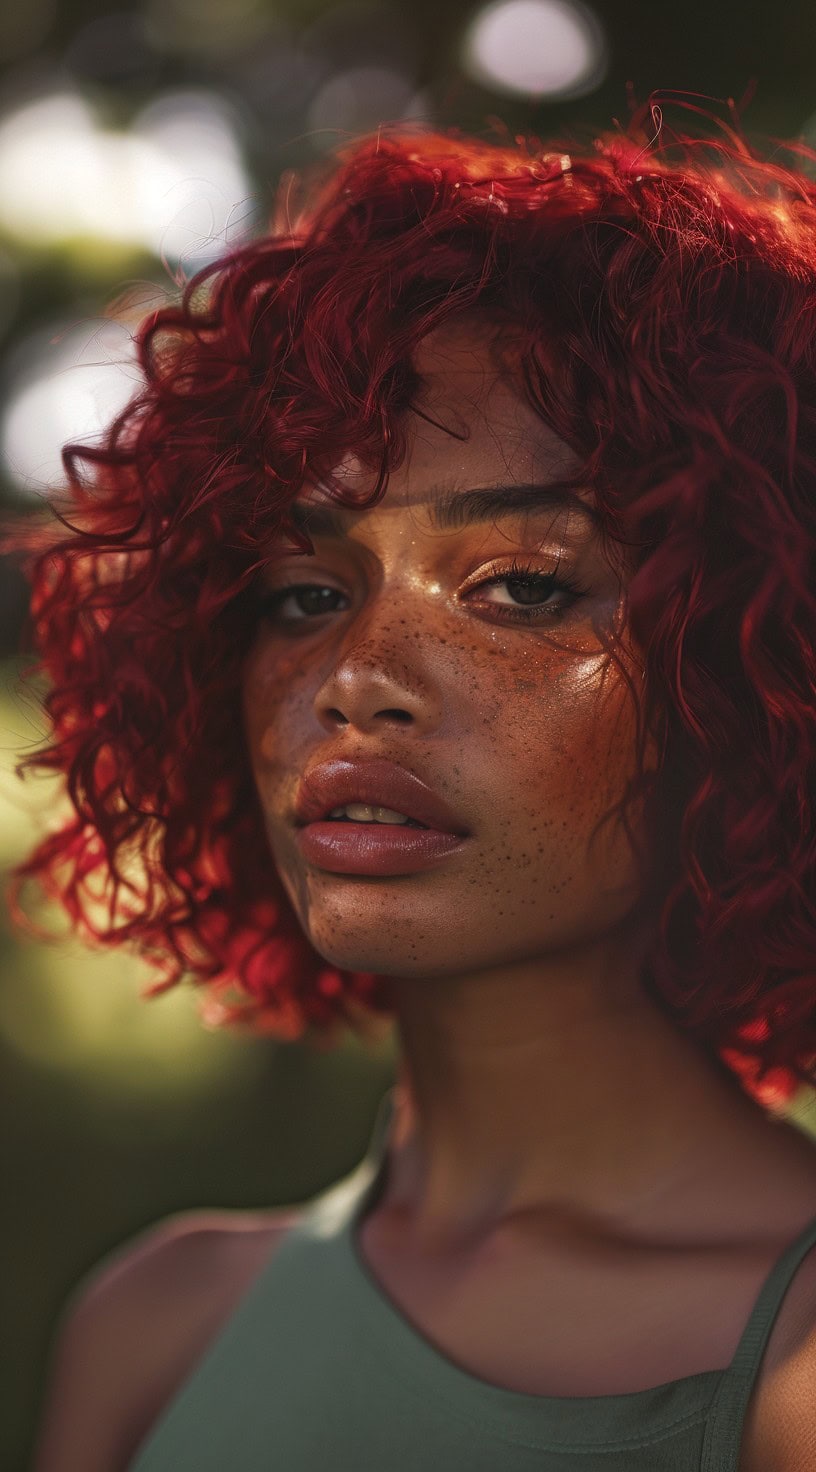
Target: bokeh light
278 80
199 134
66 382
360 99
168 184
536 48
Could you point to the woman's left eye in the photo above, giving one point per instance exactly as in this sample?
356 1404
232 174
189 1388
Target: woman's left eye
538 584
534 582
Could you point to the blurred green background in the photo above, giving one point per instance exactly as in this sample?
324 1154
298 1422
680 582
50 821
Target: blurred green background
136 143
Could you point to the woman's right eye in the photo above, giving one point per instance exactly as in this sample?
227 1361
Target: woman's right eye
316 600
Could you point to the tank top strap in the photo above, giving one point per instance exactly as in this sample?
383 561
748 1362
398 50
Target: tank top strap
730 1403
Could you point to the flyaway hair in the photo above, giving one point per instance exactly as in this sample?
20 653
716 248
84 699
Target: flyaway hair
664 292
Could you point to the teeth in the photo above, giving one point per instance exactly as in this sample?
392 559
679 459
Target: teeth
363 812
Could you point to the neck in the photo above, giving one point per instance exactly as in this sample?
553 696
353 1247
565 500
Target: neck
511 1111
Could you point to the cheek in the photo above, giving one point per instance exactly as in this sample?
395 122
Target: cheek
269 700
567 751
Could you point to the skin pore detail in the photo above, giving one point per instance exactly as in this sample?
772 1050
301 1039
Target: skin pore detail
545 1093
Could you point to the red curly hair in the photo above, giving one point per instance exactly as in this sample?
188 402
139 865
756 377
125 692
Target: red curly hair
678 302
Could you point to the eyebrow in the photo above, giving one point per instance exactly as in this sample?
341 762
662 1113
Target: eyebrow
450 510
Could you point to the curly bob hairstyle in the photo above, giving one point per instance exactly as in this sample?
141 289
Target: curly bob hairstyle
676 301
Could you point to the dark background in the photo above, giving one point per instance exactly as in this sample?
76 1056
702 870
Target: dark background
116 1111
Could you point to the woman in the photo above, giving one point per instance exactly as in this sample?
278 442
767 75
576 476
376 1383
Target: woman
543 424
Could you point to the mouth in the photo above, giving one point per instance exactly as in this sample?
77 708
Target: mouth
379 817
349 846
371 794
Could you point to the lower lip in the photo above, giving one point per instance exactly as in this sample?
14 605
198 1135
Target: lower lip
374 848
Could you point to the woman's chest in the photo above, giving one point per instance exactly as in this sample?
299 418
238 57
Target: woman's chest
572 1324
605 1325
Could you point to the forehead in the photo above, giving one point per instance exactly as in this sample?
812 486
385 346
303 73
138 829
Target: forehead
474 425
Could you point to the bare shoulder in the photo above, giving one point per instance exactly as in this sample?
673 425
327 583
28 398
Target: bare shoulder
137 1325
235 1243
779 1431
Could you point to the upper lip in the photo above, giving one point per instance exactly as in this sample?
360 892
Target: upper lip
380 783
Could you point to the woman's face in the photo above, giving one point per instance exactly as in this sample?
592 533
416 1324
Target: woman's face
525 728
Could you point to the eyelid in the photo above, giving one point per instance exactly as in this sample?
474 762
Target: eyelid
501 566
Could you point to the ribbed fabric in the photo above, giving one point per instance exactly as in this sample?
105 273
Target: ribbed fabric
317 1370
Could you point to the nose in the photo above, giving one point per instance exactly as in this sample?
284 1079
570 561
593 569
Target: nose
372 687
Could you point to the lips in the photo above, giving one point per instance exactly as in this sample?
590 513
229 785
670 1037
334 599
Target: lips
380 783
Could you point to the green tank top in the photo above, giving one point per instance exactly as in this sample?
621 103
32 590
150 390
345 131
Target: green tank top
317 1369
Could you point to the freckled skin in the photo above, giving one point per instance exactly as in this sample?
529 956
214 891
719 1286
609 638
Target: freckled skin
536 1073
419 677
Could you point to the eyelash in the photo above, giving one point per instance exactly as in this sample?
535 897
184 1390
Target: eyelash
526 573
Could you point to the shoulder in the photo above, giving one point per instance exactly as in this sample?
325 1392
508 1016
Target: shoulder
136 1325
779 1431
